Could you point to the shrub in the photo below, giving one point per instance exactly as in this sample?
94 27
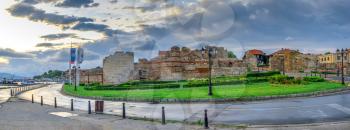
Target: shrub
132 87
263 74
282 79
314 79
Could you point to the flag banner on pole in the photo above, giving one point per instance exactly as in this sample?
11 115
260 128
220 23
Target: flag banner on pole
80 55
73 52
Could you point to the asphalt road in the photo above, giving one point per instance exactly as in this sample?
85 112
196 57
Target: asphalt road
275 112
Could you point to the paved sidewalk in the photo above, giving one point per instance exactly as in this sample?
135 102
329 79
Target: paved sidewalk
23 115
4 95
19 114
275 112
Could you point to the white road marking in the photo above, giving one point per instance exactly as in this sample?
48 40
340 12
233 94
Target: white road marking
63 114
322 113
340 108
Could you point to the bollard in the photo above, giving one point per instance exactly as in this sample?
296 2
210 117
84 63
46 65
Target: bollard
124 114
89 107
42 101
11 93
55 102
163 116
32 98
206 124
71 105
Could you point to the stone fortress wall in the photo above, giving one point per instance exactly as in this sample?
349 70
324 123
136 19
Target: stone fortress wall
184 63
118 68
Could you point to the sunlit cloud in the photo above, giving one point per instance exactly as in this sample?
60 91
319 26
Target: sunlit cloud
4 60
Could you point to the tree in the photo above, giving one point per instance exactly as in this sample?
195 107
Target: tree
51 74
231 55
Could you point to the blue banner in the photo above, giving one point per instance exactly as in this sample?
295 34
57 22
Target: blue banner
73 55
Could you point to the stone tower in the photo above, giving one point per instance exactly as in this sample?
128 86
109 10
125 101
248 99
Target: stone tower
118 68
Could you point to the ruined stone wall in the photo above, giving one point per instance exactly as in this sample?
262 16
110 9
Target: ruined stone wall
118 68
184 63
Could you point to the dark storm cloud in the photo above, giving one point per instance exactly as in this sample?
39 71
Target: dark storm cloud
30 12
58 36
13 54
77 3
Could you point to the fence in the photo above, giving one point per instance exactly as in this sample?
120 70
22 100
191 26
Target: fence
18 90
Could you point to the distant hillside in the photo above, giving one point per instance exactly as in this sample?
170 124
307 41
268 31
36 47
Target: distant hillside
10 76
51 74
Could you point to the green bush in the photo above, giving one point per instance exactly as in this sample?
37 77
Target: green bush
263 74
314 79
149 82
132 87
282 79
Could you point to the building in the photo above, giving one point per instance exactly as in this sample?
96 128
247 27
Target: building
184 63
254 60
331 62
118 68
328 58
94 75
292 61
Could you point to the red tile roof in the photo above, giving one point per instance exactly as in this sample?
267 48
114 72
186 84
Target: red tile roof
255 52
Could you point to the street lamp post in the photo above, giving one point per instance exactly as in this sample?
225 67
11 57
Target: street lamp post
211 53
75 78
342 66
316 68
326 71
283 66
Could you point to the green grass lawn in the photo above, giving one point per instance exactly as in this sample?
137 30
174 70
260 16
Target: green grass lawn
220 92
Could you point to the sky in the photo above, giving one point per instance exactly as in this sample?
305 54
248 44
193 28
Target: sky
35 35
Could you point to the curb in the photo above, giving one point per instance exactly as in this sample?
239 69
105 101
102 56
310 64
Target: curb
299 125
250 99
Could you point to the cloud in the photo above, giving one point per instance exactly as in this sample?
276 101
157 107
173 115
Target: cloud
147 45
49 45
96 27
77 3
68 22
30 12
154 31
51 37
4 61
113 1
38 1
10 53
62 55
